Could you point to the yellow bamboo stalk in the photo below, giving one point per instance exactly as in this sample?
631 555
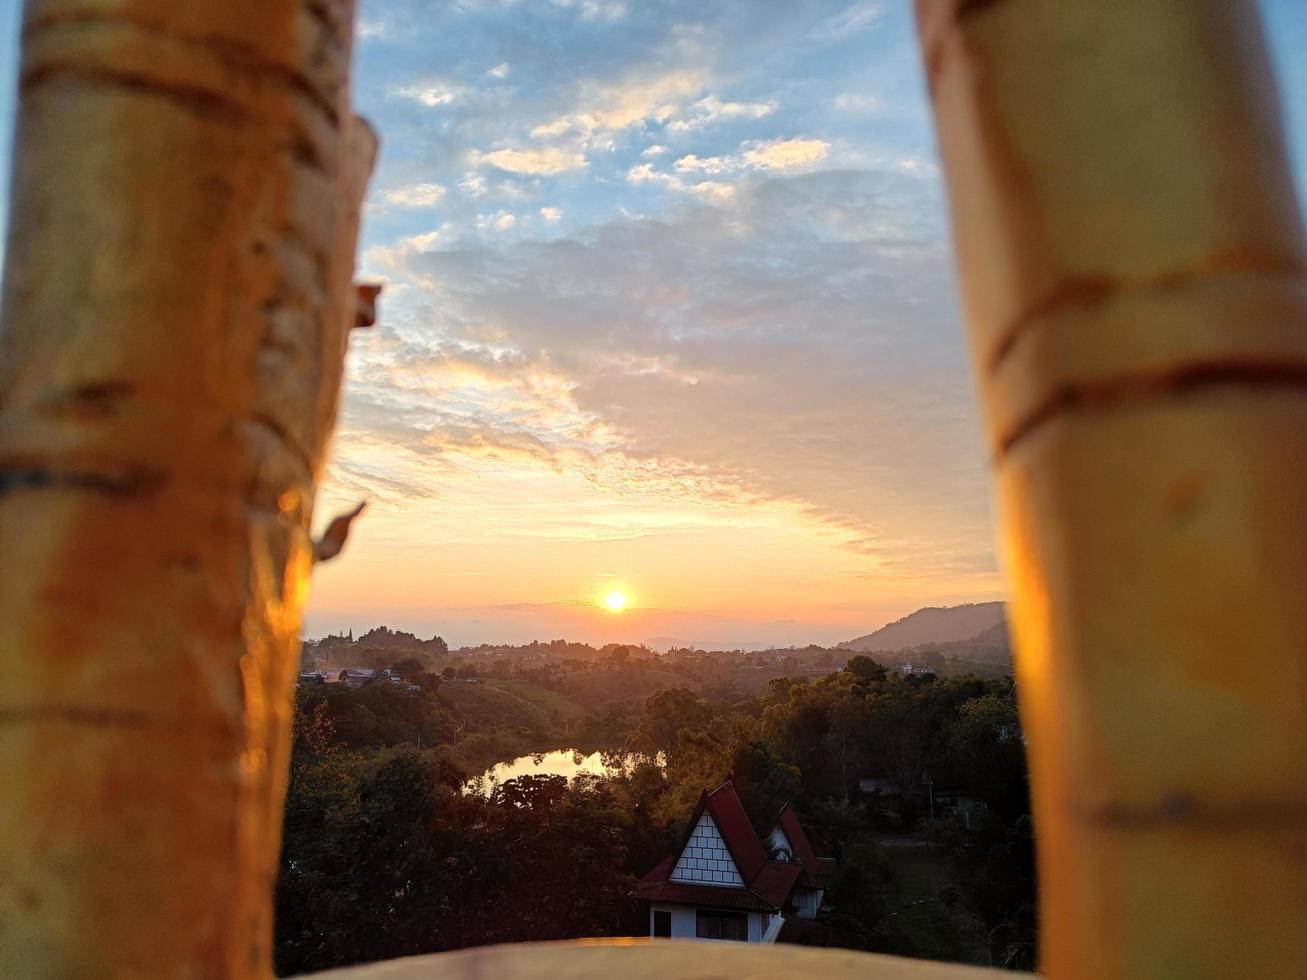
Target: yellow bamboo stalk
1135 284
187 179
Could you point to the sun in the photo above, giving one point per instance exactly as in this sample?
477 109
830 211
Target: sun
615 600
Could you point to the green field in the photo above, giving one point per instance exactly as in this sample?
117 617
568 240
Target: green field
913 908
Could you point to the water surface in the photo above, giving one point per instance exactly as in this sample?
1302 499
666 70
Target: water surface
560 762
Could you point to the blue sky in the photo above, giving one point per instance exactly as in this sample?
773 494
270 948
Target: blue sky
670 308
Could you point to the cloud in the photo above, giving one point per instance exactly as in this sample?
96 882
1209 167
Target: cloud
371 28
707 165
552 215
595 9
774 155
473 185
414 196
919 167
848 22
711 110
545 161
644 173
752 357
430 94
607 108
793 346
505 221
786 154
710 190
858 102
500 70
422 242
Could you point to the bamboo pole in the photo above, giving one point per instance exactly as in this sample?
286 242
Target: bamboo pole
186 187
1135 284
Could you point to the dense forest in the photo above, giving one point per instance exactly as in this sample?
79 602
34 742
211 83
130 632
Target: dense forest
390 851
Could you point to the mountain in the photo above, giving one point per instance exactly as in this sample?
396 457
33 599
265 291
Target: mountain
935 624
664 643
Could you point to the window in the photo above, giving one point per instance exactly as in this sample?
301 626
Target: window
662 923
722 925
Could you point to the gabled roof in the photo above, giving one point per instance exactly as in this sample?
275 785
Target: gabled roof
774 881
766 883
816 868
724 806
706 895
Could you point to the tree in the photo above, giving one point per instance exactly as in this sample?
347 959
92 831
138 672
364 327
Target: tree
618 657
666 714
864 668
989 748
409 668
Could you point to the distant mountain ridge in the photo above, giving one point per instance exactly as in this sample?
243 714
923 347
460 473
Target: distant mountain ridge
662 644
936 624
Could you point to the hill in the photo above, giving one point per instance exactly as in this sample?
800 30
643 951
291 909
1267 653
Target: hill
935 624
631 685
509 704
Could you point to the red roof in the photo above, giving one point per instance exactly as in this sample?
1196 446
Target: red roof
775 882
789 822
767 884
727 812
707 895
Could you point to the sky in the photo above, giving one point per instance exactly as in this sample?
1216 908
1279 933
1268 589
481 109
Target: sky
669 309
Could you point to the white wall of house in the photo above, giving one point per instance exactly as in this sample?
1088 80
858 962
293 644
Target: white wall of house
762 927
705 859
779 841
683 919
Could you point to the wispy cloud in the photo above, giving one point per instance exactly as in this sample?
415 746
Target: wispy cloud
786 154
649 360
858 102
755 155
712 110
534 160
414 196
605 108
668 294
849 21
595 9
430 94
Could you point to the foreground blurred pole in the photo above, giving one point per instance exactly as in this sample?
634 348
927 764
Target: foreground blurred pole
1134 280
177 298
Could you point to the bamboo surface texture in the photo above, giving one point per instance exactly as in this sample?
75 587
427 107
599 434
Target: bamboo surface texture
177 298
1135 286
658 959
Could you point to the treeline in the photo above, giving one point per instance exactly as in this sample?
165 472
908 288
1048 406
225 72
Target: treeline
386 853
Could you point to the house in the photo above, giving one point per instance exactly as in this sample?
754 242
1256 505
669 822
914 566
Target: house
949 796
789 843
944 792
356 676
721 884
910 669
